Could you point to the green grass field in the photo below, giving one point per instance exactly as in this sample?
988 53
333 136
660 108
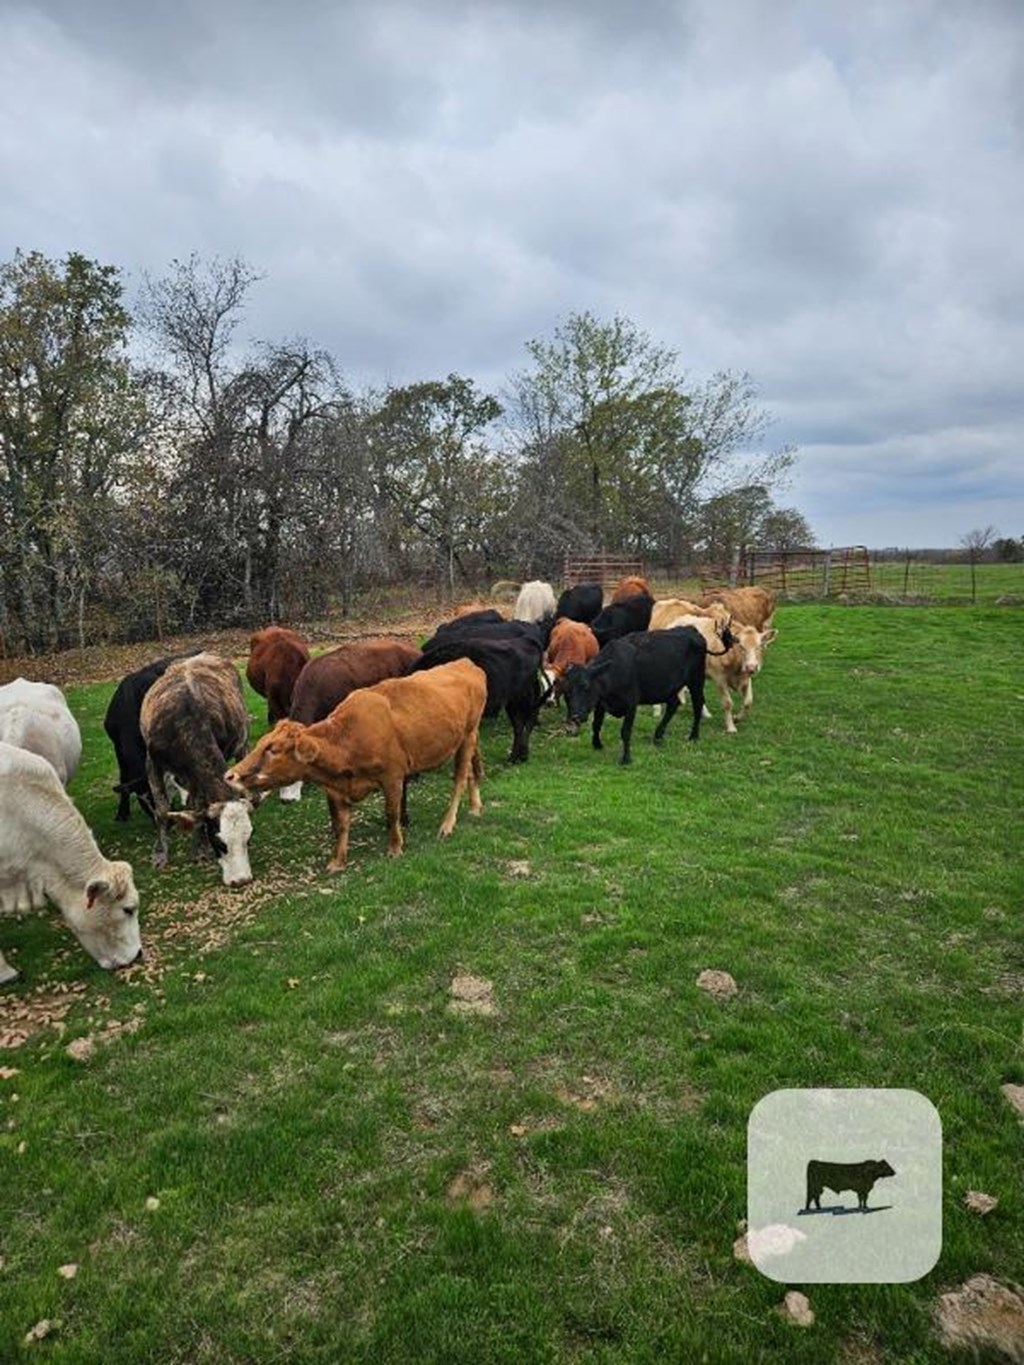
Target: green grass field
346 1170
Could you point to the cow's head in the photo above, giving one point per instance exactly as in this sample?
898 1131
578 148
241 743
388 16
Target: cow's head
281 757
227 826
750 644
581 685
107 925
882 1168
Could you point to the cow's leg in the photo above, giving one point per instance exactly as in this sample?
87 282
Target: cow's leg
725 697
598 722
404 814
671 707
476 772
124 804
462 768
7 972
341 818
696 687
626 734
520 743
161 810
394 800
747 693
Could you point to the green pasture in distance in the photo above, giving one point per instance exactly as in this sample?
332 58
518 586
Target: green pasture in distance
346 1170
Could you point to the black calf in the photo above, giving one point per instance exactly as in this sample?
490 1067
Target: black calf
646 667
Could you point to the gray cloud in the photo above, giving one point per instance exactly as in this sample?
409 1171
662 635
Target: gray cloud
825 195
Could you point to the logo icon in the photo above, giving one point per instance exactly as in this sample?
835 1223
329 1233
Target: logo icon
811 1186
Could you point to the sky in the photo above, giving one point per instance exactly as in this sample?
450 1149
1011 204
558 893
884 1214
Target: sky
827 194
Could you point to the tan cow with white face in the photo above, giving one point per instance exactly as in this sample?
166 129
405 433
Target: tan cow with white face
735 670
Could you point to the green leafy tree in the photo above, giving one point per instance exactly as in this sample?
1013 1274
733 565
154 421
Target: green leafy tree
72 416
433 467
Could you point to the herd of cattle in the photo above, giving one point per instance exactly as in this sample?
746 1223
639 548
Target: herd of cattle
365 716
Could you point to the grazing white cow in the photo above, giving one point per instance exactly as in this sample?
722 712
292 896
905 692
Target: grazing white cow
535 601
47 852
35 716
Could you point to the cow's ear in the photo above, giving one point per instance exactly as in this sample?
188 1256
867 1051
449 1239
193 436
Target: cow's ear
99 886
768 636
214 810
307 749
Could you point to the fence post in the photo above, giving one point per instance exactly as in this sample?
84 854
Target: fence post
826 573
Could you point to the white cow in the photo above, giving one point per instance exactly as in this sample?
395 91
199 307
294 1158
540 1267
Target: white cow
35 716
47 852
535 601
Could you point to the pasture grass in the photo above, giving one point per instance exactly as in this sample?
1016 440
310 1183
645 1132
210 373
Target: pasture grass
348 1171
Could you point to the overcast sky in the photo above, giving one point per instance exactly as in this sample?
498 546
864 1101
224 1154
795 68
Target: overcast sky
827 195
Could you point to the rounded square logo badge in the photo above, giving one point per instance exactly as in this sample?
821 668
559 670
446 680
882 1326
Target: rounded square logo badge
844 1186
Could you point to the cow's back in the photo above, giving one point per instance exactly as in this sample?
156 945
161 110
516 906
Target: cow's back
199 694
752 606
433 711
36 717
327 680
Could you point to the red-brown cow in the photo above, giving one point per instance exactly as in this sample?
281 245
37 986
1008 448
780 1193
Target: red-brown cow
277 656
630 587
377 738
571 643
328 679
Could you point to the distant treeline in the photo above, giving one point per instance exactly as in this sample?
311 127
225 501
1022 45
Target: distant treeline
158 475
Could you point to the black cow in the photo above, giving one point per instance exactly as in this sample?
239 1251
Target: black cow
623 618
837 1176
122 726
458 624
580 603
645 667
466 628
513 682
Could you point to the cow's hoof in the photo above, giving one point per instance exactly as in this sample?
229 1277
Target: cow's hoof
394 852
659 740
334 866
159 860
445 832
625 761
121 819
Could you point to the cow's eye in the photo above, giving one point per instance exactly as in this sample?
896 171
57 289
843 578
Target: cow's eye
130 910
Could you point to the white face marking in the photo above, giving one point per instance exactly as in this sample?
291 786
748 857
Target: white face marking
235 829
292 793
751 652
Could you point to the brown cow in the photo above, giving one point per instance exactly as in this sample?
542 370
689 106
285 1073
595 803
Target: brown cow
571 642
193 722
277 656
629 587
327 680
377 738
754 606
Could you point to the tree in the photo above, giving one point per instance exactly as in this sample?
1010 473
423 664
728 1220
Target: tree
430 461
241 438
975 543
624 446
72 415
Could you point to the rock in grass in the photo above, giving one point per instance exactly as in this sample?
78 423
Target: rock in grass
797 1308
719 985
978 1202
983 1315
472 995
741 1251
1014 1097
39 1332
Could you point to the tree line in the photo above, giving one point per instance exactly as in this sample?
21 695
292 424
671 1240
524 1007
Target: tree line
157 474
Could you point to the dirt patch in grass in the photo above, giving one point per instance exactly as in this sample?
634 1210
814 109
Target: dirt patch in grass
983 1315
